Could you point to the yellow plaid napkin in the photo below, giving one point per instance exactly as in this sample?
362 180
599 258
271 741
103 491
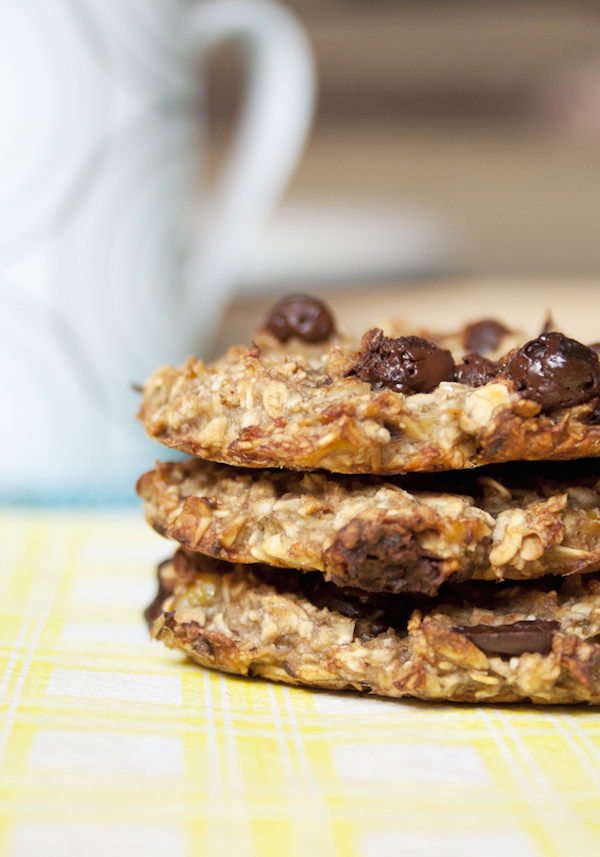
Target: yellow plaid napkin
113 746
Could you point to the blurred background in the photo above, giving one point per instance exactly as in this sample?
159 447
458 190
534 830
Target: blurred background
453 143
478 122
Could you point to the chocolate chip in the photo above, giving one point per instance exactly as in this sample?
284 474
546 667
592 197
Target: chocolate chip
407 365
384 562
555 371
300 315
514 639
154 609
348 600
594 418
484 336
374 612
475 370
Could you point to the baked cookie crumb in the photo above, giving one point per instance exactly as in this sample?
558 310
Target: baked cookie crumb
540 644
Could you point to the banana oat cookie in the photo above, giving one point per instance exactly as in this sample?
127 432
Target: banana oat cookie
476 643
304 397
516 523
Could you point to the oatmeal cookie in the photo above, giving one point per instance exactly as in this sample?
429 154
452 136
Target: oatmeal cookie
372 533
307 399
476 643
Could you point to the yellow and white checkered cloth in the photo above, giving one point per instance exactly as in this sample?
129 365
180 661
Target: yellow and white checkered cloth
113 746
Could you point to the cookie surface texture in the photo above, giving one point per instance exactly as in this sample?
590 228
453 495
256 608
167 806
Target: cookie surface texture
297 405
520 643
371 533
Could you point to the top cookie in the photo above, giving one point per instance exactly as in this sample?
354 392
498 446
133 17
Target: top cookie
304 397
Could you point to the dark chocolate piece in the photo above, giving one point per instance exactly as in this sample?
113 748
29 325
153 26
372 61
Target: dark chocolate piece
348 600
154 609
555 371
387 561
484 336
594 417
515 639
374 612
407 365
475 370
300 315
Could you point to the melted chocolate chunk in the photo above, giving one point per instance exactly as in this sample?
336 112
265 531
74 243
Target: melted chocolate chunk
555 371
374 612
300 315
407 365
349 601
594 417
154 609
411 574
287 580
475 370
484 336
514 639
389 561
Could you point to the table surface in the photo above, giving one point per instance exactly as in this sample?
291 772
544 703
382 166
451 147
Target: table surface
113 745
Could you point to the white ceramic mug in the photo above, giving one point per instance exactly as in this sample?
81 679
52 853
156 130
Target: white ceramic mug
101 275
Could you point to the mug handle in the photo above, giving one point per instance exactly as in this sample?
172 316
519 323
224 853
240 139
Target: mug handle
273 128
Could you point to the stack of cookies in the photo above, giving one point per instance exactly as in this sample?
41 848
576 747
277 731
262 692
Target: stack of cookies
409 515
